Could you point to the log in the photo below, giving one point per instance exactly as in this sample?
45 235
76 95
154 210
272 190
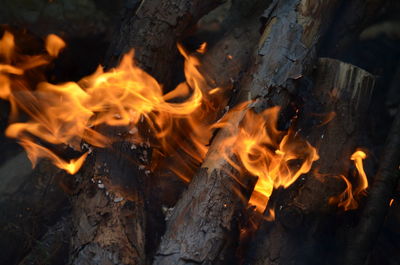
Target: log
378 203
52 247
351 19
152 28
224 62
30 202
304 228
202 228
109 222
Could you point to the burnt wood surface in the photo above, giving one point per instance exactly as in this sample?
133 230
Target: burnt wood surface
197 232
377 206
109 222
305 223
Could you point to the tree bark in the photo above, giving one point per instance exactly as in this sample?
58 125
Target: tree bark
30 202
379 196
304 228
203 223
108 206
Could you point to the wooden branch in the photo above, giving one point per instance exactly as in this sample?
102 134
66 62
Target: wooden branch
379 195
204 220
108 207
305 222
30 201
351 19
52 247
153 29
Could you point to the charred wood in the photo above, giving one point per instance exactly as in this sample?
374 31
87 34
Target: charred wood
109 222
204 221
31 201
305 223
379 196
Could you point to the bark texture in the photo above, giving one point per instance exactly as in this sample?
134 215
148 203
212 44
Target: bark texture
285 53
303 231
108 206
379 196
153 28
31 201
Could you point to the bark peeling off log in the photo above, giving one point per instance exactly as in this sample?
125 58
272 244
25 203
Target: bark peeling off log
305 224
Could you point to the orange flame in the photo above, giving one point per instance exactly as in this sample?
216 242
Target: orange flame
67 113
358 158
276 157
347 199
54 45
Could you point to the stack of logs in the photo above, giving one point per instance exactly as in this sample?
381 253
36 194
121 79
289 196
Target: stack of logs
274 46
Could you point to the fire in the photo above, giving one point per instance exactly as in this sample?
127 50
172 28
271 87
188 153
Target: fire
68 113
54 45
348 198
358 158
182 121
276 157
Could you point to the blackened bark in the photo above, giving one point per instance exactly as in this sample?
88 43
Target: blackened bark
203 223
304 228
379 196
31 201
153 28
108 206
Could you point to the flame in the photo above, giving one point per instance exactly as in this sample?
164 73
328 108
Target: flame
347 199
7 45
276 157
54 44
358 158
202 48
68 113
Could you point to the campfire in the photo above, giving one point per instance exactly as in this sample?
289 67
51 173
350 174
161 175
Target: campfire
254 154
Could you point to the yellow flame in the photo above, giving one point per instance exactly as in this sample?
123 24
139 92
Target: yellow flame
276 157
7 45
54 44
124 96
348 198
358 158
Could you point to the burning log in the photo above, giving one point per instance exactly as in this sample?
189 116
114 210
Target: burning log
113 228
305 213
131 128
203 223
378 202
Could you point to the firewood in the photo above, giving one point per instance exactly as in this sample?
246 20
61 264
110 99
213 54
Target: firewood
379 195
30 201
304 216
202 227
108 207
